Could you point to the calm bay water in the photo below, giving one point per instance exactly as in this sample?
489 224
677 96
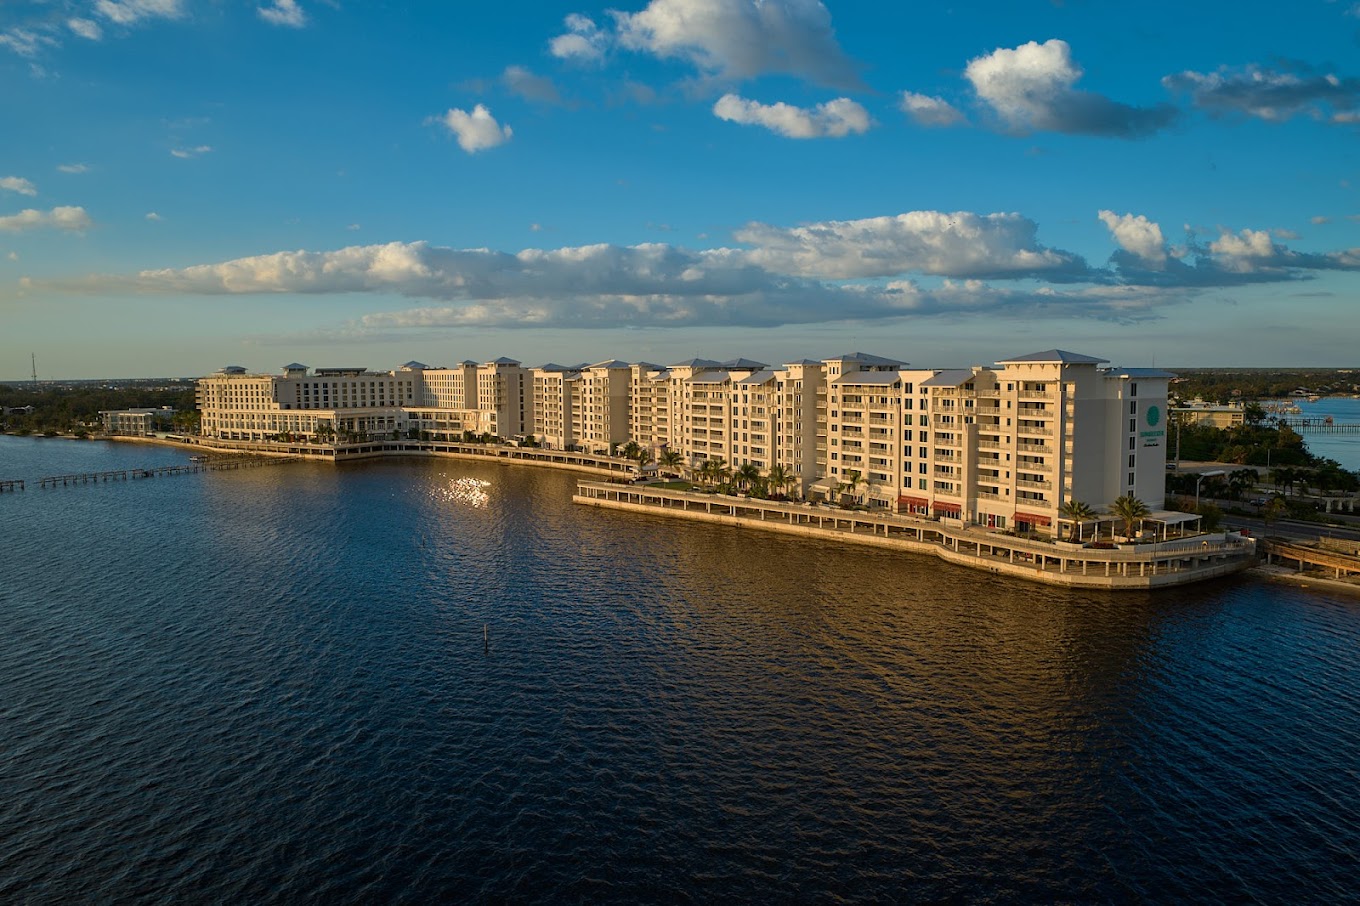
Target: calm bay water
271 686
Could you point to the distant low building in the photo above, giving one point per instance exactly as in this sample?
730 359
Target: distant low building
136 422
1213 416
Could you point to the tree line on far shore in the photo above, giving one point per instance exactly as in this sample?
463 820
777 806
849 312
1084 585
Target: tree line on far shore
74 409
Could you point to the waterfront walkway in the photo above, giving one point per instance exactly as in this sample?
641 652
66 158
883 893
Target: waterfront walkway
1127 566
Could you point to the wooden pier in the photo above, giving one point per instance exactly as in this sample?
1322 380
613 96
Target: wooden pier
1319 426
210 465
14 484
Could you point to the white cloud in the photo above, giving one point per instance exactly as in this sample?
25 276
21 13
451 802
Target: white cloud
13 256
834 119
1032 87
73 219
583 40
186 153
1245 251
741 39
476 131
1138 235
26 42
86 28
18 184
1274 95
152 216
928 110
960 244
130 12
353 227
73 168
283 12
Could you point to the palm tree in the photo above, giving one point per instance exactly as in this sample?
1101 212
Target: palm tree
779 478
671 460
720 470
853 479
630 450
1129 509
747 475
1079 512
1274 509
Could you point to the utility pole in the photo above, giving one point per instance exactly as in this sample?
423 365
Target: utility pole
33 359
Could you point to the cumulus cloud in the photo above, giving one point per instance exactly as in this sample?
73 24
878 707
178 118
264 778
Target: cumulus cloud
741 39
928 110
1319 220
1137 235
583 40
475 131
529 86
1032 88
152 216
73 168
960 244
26 42
86 28
18 184
283 12
130 12
186 153
834 119
1274 95
72 219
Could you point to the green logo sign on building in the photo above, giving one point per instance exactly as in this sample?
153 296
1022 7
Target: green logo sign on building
1154 415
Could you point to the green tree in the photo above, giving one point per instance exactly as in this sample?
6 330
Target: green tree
1276 507
1130 510
850 486
671 460
778 478
1079 512
747 475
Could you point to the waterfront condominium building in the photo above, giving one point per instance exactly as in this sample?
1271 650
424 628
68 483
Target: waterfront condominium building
1003 446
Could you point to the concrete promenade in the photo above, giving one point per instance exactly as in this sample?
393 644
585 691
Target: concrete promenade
1127 567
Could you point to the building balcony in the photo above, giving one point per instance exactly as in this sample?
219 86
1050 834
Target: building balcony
1034 430
1037 395
1040 485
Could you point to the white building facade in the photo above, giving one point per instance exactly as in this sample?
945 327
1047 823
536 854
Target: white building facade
1004 446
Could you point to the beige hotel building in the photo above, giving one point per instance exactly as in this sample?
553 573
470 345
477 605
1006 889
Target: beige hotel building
1003 446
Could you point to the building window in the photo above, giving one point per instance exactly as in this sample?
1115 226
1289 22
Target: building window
1133 408
1131 477
1133 425
1133 389
1131 460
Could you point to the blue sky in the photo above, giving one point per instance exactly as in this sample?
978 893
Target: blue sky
186 184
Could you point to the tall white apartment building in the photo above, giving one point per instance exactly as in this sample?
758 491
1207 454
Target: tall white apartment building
1003 446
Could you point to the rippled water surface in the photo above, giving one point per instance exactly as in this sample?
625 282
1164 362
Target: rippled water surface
272 686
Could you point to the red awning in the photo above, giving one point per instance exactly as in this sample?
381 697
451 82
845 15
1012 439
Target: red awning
912 501
948 507
1031 519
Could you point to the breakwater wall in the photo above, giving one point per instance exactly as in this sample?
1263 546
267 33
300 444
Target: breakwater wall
1129 567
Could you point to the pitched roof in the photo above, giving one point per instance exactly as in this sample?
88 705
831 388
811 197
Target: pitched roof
415 366
867 359
952 377
1059 356
697 363
504 361
294 367
763 376
711 377
743 364
612 364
